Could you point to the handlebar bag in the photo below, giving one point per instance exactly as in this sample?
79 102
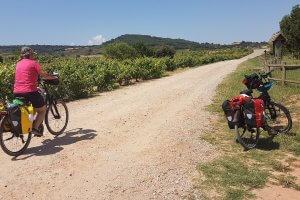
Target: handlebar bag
51 81
252 81
254 112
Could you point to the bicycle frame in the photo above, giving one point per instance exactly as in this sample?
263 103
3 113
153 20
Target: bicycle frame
50 100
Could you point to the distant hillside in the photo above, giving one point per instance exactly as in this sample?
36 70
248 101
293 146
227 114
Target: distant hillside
151 41
60 50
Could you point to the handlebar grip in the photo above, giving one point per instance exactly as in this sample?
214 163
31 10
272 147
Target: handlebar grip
265 74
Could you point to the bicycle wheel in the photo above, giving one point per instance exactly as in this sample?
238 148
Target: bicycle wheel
57 117
10 143
248 139
278 118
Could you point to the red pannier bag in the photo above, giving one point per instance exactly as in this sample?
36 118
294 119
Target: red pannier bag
254 113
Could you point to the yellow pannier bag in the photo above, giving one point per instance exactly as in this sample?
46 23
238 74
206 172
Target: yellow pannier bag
27 117
1 106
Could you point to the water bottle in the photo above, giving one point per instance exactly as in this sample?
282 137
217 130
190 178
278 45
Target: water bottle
30 115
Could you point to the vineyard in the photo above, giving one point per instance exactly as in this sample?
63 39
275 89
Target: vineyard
83 77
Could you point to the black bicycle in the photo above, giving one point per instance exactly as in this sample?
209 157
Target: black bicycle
277 118
56 120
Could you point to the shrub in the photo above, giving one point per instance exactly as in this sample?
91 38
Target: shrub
143 50
81 77
120 51
7 81
165 51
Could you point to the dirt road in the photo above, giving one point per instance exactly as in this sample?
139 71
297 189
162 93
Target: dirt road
138 142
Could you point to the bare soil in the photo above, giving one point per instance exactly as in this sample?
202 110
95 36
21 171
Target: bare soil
138 142
277 192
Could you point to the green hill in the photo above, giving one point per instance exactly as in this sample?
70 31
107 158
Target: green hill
153 41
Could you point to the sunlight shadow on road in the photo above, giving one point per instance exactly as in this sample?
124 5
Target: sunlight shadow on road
52 146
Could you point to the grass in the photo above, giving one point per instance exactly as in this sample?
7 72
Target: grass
236 173
290 74
232 177
288 181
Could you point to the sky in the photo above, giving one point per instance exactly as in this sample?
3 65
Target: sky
92 22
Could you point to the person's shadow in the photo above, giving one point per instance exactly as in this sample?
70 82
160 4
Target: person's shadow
52 146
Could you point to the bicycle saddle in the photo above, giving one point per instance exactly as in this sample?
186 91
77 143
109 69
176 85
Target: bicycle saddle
247 92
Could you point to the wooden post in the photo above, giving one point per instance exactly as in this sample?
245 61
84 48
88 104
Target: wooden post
266 57
283 75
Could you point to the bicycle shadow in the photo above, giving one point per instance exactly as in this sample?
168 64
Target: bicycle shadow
267 144
52 146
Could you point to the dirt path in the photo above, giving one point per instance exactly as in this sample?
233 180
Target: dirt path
138 142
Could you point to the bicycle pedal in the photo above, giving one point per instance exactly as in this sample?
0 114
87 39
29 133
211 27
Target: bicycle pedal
251 130
38 136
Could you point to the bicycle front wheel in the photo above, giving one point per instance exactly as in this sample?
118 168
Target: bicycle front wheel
10 143
247 138
278 118
57 117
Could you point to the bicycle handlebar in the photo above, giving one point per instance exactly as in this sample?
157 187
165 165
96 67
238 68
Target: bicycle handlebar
49 81
265 74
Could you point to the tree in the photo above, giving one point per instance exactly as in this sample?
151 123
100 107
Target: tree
90 51
1 59
165 51
143 50
290 27
17 52
120 51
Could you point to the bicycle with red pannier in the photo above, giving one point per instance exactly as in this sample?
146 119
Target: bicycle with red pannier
248 115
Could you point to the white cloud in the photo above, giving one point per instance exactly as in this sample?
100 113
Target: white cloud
72 44
97 40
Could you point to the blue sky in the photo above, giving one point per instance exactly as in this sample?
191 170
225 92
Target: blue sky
92 22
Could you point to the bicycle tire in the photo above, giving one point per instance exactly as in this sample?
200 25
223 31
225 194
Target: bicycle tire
51 115
5 148
244 139
280 118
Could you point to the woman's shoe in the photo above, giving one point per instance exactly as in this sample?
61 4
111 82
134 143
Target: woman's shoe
36 132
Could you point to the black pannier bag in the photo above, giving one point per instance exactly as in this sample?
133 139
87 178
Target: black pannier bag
15 116
229 114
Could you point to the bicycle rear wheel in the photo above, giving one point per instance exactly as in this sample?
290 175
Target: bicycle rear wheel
278 118
248 139
57 117
10 143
